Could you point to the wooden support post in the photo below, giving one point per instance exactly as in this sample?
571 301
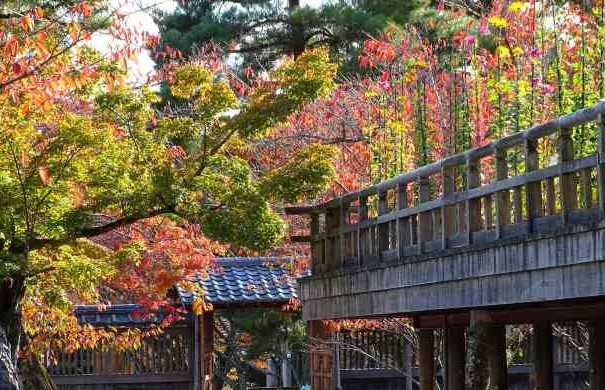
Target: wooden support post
404 238
332 235
498 368
567 181
383 229
543 355
426 358
322 357
473 206
533 191
316 247
362 234
408 364
448 213
502 197
456 357
478 344
342 221
425 220
601 165
597 354
207 350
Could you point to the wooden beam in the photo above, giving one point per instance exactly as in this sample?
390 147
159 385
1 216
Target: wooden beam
456 357
426 358
524 314
543 355
597 354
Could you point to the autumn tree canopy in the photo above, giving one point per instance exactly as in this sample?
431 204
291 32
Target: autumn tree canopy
82 154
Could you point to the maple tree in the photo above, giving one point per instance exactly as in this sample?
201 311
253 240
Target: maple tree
83 155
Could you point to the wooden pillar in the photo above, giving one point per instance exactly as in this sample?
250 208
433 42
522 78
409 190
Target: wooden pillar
597 354
383 228
567 181
316 251
322 357
477 376
496 359
448 213
362 233
207 350
404 234
533 191
425 219
473 206
543 355
502 197
426 358
601 166
456 357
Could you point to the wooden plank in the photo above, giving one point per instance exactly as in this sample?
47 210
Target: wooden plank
549 185
362 235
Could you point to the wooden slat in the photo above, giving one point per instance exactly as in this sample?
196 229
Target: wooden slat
425 219
448 213
567 180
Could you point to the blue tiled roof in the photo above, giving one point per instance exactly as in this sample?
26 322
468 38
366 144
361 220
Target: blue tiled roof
237 281
247 280
115 315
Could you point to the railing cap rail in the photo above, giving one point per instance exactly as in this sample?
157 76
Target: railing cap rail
535 132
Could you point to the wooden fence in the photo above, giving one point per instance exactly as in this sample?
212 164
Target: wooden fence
162 362
371 359
470 198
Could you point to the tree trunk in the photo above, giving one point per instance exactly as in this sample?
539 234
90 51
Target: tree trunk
11 293
33 374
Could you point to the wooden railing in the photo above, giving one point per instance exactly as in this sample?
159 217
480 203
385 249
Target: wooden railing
470 198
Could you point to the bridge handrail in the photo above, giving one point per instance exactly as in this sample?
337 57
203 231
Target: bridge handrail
507 206
538 131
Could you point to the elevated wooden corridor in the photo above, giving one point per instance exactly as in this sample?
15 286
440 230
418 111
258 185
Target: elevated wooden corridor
510 232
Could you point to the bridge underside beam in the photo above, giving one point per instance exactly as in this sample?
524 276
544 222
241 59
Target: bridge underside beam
554 312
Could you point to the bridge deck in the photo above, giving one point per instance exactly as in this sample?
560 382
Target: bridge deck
467 232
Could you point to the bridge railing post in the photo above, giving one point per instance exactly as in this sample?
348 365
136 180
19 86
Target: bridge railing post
404 238
383 228
316 246
425 219
362 233
473 206
567 181
533 191
601 162
448 213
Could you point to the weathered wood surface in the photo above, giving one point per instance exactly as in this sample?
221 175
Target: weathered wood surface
567 265
517 238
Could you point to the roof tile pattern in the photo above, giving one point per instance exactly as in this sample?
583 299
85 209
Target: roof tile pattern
247 280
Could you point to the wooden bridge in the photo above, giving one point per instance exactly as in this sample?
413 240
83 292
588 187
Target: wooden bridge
506 233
